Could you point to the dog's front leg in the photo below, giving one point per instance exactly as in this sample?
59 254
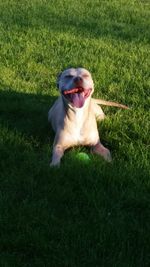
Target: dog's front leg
103 151
58 152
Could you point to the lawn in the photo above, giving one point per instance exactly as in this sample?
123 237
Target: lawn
89 215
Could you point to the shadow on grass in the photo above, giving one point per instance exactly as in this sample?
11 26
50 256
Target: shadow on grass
27 113
78 215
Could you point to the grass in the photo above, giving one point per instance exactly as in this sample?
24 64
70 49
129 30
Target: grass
78 215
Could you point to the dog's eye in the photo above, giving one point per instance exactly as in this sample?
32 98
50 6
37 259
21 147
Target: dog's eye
85 75
69 76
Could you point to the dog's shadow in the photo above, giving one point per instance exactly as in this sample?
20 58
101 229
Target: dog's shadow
26 113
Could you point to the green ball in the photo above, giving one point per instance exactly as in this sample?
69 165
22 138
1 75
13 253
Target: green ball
83 157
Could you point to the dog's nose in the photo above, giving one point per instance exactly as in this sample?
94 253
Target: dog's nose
78 80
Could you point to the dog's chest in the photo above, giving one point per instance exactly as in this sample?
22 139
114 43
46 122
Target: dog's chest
82 131
79 125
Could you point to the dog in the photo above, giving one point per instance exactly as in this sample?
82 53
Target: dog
75 113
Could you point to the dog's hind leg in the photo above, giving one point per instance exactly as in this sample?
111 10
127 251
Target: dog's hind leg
99 114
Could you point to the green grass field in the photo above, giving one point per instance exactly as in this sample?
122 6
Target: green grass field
95 215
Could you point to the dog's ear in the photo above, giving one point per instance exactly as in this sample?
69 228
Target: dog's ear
58 79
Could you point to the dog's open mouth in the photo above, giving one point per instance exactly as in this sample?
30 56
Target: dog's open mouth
77 96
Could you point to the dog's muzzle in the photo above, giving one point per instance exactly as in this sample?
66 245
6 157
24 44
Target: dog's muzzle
77 96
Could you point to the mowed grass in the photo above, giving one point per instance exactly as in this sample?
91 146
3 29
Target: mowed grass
95 214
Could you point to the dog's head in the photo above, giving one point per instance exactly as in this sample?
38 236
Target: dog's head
76 86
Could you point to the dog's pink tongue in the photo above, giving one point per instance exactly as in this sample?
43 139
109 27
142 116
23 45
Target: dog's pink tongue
78 100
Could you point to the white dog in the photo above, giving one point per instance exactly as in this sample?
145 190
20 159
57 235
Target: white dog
74 114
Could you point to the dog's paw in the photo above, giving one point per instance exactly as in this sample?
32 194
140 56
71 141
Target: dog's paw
103 151
54 164
107 156
100 117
